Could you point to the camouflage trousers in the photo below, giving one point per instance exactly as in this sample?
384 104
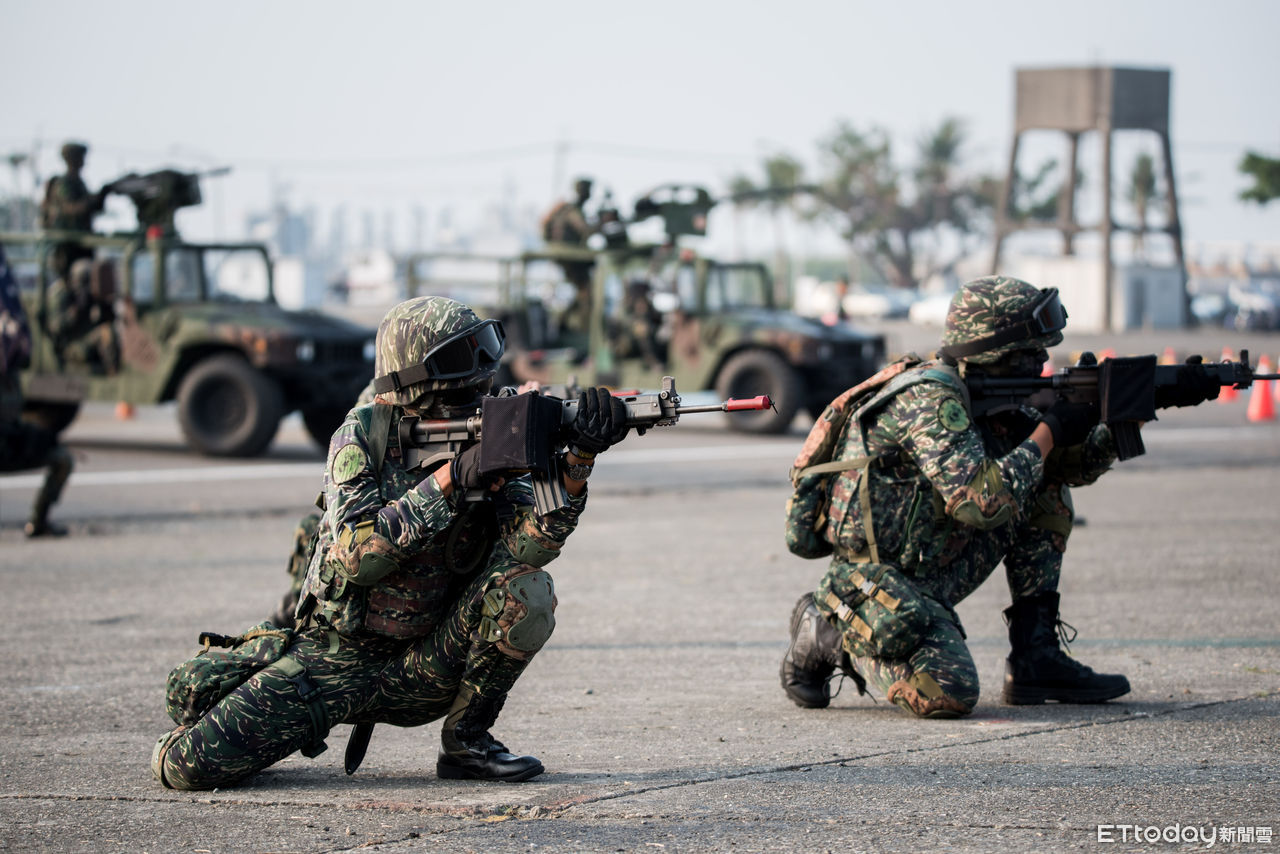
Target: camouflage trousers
1031 549
362 679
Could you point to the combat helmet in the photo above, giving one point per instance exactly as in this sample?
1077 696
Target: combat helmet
73 150
429 344
995 315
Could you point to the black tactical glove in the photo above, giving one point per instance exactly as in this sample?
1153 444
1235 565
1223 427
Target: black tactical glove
464 470
1070 423
601 421
1194 386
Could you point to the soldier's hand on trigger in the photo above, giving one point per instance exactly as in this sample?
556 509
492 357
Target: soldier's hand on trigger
1070 423
601 421
464 471
1194 387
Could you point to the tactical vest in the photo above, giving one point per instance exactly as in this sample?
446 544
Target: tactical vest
813 522
406 601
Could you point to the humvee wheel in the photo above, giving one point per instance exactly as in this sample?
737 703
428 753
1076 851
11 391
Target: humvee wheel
323 421
755 372
228 409
54 417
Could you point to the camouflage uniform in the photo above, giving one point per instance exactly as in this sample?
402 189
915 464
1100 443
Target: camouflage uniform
949 499
419 604
566 224
80 321
69 206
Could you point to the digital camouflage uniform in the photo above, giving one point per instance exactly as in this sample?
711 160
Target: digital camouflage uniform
949 498
396 635
952 499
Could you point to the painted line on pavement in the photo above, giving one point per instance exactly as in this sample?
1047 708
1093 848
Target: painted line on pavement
620 456
313 470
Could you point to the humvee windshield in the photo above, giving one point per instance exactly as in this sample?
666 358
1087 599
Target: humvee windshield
197 274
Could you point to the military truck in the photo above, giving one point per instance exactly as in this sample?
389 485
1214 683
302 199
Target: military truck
648 310
168 320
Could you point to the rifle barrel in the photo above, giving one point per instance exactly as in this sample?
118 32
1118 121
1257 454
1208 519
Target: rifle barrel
745 404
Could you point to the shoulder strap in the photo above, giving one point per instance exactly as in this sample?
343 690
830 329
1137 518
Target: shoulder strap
379 435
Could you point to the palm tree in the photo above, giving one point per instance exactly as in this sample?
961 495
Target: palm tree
782 176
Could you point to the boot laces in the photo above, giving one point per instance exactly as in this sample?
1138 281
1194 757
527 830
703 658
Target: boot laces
1061 626
845 671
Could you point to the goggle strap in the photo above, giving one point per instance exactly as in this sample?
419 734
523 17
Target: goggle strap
1020 332
396 380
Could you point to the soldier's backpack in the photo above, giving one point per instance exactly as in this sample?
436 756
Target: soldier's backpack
200 683
814 467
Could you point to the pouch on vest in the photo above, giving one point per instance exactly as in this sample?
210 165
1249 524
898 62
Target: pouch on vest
197 685
880 610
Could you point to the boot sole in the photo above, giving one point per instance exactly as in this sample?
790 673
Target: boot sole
454 772
797 614
1025 696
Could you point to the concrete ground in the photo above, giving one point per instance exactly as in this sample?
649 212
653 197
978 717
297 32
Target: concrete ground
656 706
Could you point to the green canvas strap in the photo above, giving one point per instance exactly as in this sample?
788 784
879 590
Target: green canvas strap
864 492
379 434
293 671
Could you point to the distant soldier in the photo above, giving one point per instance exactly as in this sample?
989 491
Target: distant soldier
24 445
69 206
566 222
81 312
566 225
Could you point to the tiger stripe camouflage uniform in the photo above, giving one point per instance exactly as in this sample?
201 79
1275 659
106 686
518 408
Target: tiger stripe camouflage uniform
952 499
395 651
417 605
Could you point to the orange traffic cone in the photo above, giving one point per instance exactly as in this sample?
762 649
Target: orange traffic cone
1169 357
124 410
1229 393
1262 406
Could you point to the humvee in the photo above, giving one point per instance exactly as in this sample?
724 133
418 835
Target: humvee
195 323
643 311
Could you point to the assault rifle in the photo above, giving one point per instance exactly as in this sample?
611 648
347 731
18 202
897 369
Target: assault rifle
1123 388
526 432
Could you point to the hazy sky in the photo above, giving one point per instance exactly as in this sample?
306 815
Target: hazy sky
392 104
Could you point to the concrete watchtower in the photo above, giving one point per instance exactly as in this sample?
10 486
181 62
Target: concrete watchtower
1074 101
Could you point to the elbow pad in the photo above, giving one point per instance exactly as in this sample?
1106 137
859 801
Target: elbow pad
985 502
528 544
361 556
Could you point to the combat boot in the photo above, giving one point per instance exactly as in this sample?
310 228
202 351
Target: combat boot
1038 670
469 752
813 656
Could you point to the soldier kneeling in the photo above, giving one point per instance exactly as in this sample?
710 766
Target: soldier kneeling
417 604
